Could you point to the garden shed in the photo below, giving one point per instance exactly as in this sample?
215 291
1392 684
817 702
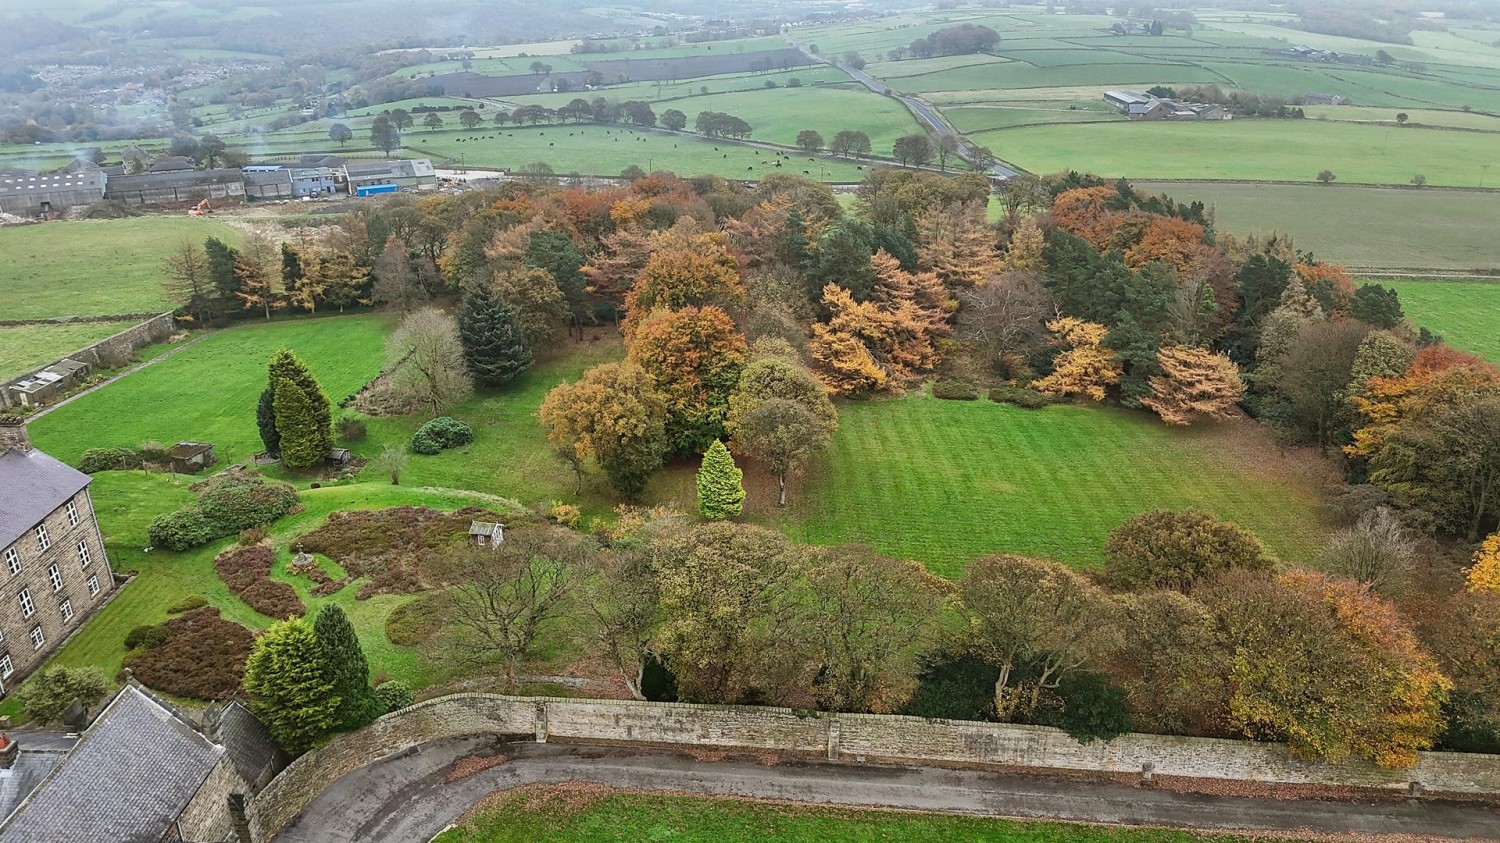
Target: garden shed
486 533
191 457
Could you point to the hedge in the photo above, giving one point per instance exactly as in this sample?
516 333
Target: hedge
226 505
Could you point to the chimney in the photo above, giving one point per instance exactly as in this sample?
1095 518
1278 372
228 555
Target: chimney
9 749
13 434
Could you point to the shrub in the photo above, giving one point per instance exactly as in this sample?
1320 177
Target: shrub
1166 549
415 623
202 657
955 390
247 572
1093 710
1020 396
226 505
565 514
253 535
48 693
441 434
146 637
390 545
351 429
187 604
394 695
95 460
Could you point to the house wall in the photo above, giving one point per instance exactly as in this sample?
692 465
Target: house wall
108 352
35 580
842 737
207 817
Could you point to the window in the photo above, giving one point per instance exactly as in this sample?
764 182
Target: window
28 608
83 555
56 577
37 638
13 560
72 514
94 586
67 610
7 667
42 542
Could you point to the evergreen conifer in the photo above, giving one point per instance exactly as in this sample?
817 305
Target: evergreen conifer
494 341
346 668
286 677
721 493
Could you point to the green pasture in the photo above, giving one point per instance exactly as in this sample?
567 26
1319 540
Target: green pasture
1417 116
94 267
985 118
1365 227
24 347
208 393
947 481
1465 313
1256 150
606 150
535 815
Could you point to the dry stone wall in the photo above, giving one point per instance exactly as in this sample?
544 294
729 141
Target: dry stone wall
840 737
110 351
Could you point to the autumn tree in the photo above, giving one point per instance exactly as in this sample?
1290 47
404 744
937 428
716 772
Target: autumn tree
538 303
1310 378
780 414
1024 254
1484 574
1085 366
694 357
623 603
885 342
696 273
1171 665
1004 321
188 283
505 596
1194 382
426 360
614 418
1327 667
1462 631
873 617
913 150
1445 462
397 283
958 244
1040 619
1178 550
1376 551
721 488
734 621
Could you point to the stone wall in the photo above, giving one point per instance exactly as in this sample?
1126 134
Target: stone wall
114 350
841 737
207 816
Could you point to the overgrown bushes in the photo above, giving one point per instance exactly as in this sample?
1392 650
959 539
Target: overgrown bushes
95 460
226 505
391 546
146 637
394 695
201 656
247 572
441 434
955 390
1020 396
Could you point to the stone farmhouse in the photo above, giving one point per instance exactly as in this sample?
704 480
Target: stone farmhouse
142 771
1138 105
53 570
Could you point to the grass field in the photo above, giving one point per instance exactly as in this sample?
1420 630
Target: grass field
946 481
1466 313
94 267
1291 150
562 813
208 393
24 347
1367 227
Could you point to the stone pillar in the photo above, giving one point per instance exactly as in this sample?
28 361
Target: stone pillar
1148 770
541 722
13 435
9 749
834 729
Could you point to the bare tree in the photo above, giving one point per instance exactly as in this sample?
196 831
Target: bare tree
506 595
397 282
188 282
1375 551
426 361
1004 321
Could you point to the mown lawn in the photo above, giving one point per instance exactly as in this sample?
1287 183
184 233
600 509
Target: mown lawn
94 267
24 347
1465 313
560 814
208 393
947 481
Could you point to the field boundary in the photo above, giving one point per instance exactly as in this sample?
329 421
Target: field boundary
856 738
118 347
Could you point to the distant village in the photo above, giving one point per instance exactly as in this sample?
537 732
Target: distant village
174 179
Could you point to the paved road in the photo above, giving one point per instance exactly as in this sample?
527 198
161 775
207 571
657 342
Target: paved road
407 799
924 112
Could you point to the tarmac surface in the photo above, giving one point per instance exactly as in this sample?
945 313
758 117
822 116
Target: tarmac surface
407 797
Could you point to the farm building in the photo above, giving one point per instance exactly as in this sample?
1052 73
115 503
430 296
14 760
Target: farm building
398 174
313 181
486 533
29 193
268 182
175 185
191 457
1142 106
1317 98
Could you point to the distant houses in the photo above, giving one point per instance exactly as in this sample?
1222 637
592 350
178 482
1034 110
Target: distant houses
175 180
1316 98
1138 105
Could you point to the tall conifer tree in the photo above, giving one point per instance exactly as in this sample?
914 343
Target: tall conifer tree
495 344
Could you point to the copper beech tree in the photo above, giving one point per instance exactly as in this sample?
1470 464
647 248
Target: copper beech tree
1085 366
1194 382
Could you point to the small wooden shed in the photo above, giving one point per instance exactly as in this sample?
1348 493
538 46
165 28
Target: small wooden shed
191 457
486 533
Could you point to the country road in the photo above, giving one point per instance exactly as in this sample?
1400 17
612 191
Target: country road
924 112
408 797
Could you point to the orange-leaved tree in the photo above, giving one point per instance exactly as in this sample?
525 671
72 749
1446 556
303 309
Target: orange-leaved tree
1437 374
1194 382
957 243
700 271
1085 366
694 357
885 342
1086 212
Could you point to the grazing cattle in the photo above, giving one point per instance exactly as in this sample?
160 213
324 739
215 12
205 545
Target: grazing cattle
778 163
861 167
806 173
726 155
570 134
552 144
749 168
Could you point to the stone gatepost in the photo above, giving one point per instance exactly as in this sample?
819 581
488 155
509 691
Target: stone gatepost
541 722
834 729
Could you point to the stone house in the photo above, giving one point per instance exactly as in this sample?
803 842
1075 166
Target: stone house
53 570
145 772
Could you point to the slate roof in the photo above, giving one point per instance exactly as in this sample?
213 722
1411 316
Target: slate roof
32 485
262 177
128 779
177 178
250 747
17 783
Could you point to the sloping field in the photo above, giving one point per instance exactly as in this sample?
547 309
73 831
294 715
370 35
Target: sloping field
1465 313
